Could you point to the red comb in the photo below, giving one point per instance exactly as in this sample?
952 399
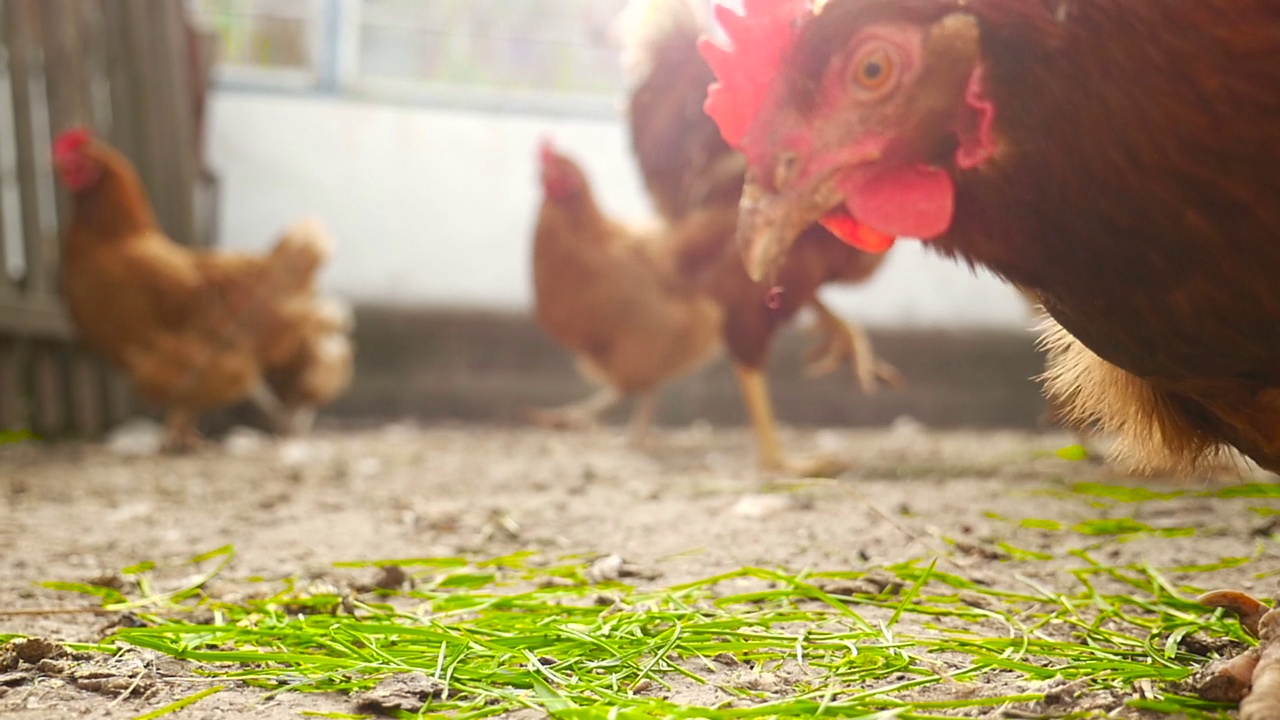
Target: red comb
758 41
70 141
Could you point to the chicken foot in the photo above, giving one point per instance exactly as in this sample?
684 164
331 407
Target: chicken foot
577 415
180 433
642 421
282 421
841 342
755 394
584 414
1252 678
302 420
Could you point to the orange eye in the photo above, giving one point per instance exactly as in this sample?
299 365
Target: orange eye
874 69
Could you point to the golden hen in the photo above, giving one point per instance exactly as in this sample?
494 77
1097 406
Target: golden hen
194 330
616 296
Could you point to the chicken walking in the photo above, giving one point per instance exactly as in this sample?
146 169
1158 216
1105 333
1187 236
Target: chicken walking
194 330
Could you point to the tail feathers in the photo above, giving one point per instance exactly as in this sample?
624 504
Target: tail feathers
301 250
335 315
322 366
644 26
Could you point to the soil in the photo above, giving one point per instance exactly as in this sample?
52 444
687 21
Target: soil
691 505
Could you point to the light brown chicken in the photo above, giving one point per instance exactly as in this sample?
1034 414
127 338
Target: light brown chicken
616 296
194 330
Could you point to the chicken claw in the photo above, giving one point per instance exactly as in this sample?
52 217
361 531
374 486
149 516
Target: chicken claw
821 466
1243 605
755 395
180 433
840 342
1255 675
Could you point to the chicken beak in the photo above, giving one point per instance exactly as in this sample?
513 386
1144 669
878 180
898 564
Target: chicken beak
769 223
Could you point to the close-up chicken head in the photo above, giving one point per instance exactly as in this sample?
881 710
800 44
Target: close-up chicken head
861 132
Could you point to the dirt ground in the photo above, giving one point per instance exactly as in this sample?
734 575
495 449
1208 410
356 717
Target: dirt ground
689 507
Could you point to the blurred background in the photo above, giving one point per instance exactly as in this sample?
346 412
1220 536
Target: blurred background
410 127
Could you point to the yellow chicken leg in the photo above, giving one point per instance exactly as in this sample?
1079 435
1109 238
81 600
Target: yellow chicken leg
755 394
841 342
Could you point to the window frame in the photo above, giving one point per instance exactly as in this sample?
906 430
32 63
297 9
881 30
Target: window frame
319 46
336 41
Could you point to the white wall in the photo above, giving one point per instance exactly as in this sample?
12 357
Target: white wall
435 207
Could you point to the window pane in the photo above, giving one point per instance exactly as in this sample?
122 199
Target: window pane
262 33
559 45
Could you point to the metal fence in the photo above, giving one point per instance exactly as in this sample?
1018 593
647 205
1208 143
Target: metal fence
134 70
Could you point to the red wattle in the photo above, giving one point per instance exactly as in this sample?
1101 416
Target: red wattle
841 224
907 201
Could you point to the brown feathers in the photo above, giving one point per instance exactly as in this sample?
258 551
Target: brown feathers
1153 435
1135 190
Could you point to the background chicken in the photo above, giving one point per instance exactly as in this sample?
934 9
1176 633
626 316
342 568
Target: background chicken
1117 160
194 330
320 370
690 171
616 296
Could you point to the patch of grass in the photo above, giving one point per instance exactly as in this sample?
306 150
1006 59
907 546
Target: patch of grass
1254 490
1133 493
1035 524
516 632
1018 553
13 437
1123 493
181 704
1073 453
1223 564
1127 526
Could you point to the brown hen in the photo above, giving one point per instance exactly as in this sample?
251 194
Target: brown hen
194 330
1120 160
616 296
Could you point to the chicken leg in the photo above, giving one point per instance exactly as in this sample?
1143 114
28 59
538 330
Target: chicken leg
577 415
642 420
841 342
282 423
755 394
302 420
180 433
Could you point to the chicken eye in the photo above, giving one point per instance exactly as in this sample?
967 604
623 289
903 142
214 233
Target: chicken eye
874 69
